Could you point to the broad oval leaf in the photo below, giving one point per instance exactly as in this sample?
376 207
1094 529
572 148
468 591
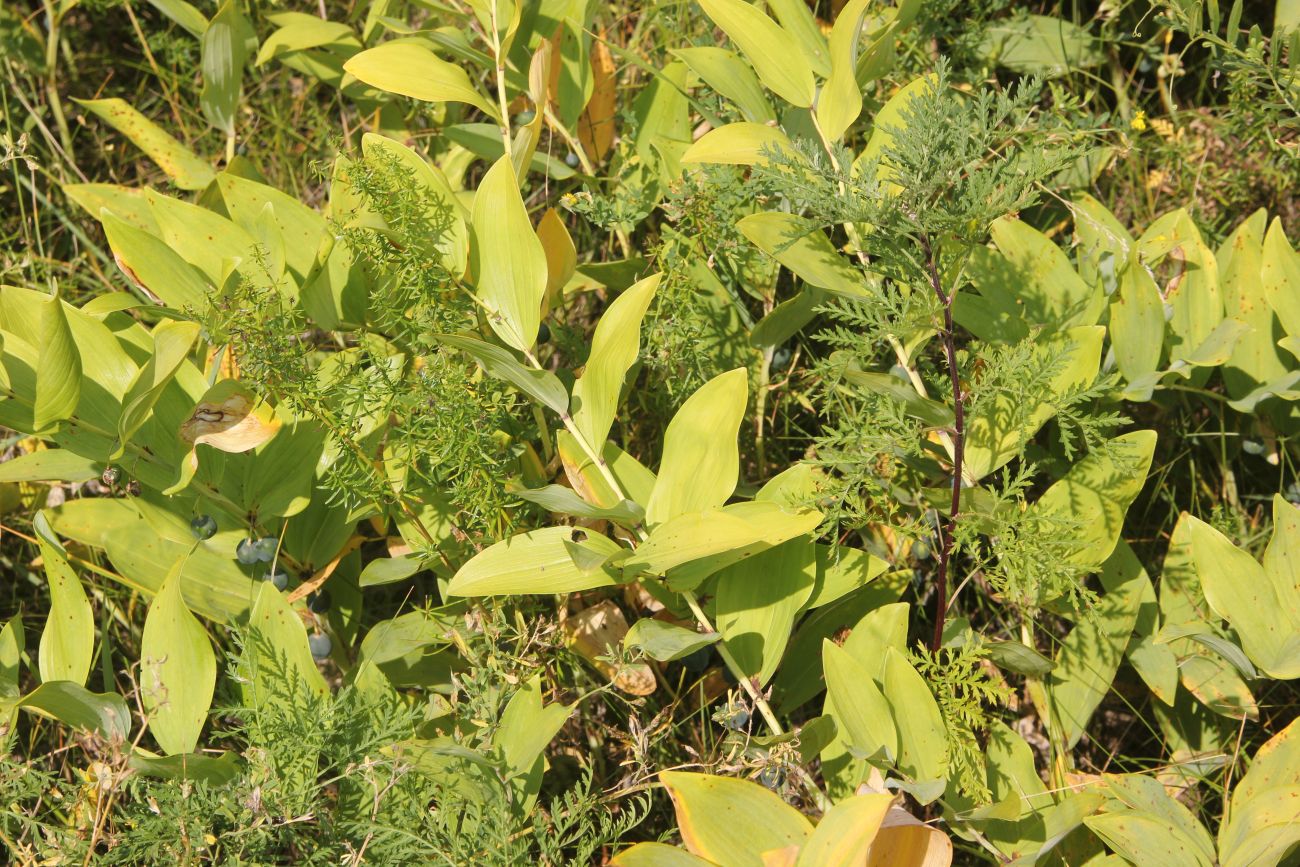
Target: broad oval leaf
731 821
844 835
509 263
550 560
614 349
701 459
68 641
738 144
178 670
767 46
410 68
58 369
859 708
180 163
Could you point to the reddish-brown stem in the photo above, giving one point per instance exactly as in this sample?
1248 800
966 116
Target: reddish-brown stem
946 528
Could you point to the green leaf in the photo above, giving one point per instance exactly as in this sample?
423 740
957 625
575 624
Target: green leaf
275 646
1137 323
178 670
757 602
840 571
172 341
410 68
857 705
58 370
614 349
151 265
1029 282
731 821
844 835
701 458
997 429
738 144
1261 602
1280 274
218 770
558 498
509 263
142 556
922 738
184 14
388 570
1016 657
484 140
182 165
68 641
801 27
72 704
664 641
1040 44
657 855
1090 655
50 465
726 73
300 32
800 245
693 546
767 47
539 561
1097 492
223 55
527 726
840 101
13 642
886 123
541 385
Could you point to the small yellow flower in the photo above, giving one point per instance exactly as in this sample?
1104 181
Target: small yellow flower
1139 121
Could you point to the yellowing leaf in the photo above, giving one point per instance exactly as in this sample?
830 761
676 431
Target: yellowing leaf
178 671
731 821
767 47
844 835
701 459
509 263
561 255
738 144
410 68
596 127
549 560
614 348
180 163
68 641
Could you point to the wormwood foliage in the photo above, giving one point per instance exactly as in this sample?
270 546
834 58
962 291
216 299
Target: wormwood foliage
735 433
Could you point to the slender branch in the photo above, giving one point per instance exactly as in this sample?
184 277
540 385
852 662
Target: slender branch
947 529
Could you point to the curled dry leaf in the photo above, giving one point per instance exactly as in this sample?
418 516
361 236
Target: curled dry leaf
230 418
